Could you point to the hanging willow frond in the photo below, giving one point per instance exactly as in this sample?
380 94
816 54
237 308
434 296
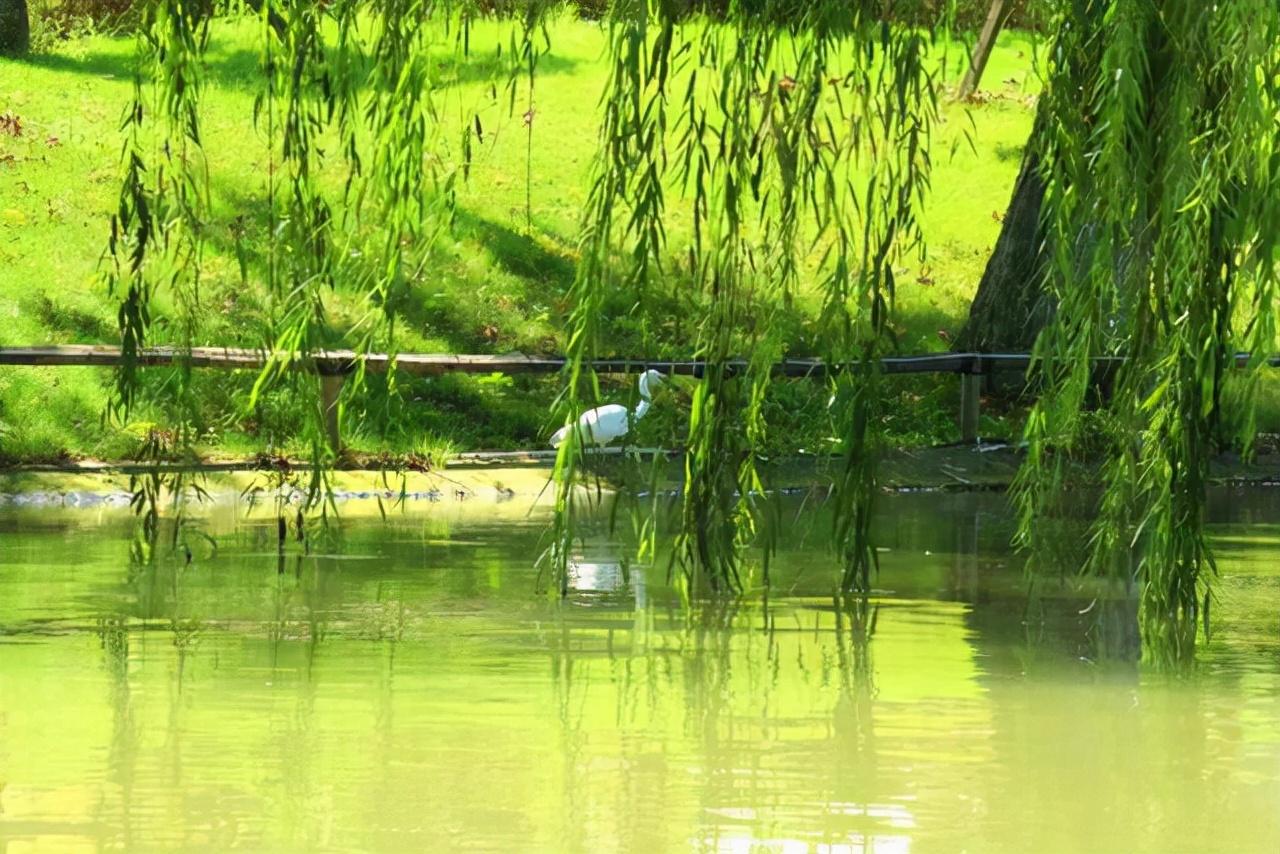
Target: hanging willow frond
157 239
835 151
626 202
802 147
873 212
1161 174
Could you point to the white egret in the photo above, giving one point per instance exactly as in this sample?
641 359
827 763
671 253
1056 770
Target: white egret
602 425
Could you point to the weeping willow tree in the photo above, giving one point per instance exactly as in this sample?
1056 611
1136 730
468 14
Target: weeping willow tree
794 138
1162 176
1158 162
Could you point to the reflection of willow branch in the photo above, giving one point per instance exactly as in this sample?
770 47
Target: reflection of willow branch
853 718
560 646
185 628
282 485
317 626
562 666
277 628
856 617
186 637
1114 635
1033 616
285 626
1089 619
708 662
113 635
148 578
639 669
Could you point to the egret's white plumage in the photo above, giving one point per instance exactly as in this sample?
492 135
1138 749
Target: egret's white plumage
602 425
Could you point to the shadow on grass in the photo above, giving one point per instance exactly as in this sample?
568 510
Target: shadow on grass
518 253
240 67
81 326
1008 153
454 70
464 308
224 68
460 312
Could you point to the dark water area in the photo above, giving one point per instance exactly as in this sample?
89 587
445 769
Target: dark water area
403 685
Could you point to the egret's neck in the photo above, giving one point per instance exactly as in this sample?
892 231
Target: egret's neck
644 389
642 408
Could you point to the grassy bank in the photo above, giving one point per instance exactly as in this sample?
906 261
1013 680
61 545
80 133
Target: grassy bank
501 281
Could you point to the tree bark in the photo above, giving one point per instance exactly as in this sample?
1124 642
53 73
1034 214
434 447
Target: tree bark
15 27
1011 307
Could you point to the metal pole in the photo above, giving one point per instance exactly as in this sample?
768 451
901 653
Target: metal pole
970 406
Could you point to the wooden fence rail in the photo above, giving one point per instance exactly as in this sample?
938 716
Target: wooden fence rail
425 364
333 365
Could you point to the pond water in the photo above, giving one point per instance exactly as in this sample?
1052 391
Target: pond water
405 688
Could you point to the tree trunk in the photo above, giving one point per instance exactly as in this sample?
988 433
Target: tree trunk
15 27
1011 307
982 51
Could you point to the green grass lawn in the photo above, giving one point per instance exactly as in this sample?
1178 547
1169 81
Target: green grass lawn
500 285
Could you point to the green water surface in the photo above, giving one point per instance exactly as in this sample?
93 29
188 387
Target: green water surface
403 687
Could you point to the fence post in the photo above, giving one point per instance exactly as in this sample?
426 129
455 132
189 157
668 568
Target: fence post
330 391
970 405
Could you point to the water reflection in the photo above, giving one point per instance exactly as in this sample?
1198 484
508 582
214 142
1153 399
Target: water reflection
404 688
612 579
